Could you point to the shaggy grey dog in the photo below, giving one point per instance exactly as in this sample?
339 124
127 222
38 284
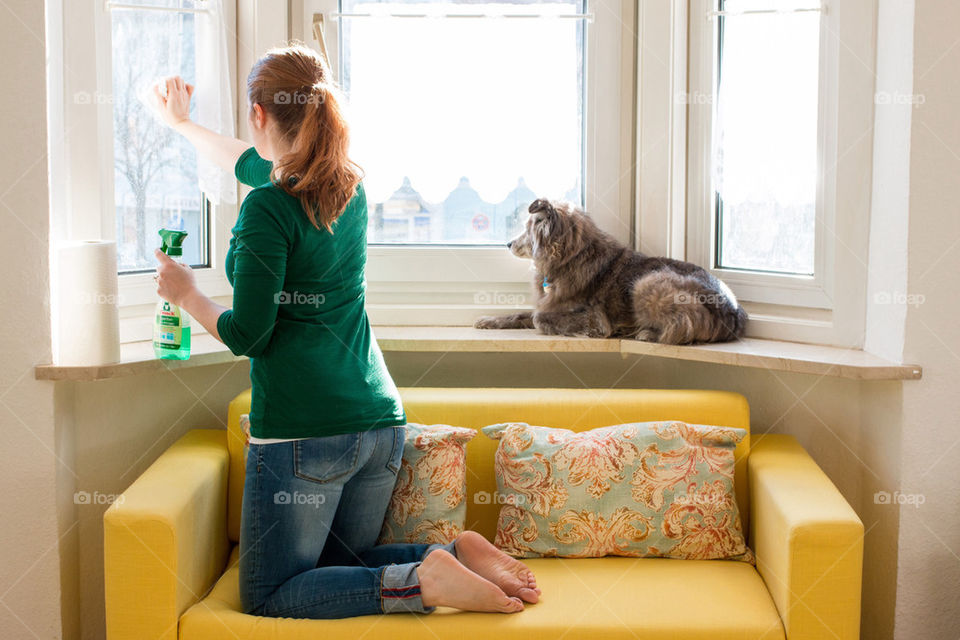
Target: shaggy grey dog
588 284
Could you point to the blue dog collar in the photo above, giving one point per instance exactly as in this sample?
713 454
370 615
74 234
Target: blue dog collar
546 285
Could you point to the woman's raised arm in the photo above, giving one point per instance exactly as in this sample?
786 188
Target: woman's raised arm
174 108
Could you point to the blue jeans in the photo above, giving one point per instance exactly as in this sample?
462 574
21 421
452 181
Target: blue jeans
312 512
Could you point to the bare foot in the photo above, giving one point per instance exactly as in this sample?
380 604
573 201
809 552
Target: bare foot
511 575
444 582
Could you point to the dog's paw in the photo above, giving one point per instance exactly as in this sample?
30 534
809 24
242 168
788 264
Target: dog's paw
648 335
487 322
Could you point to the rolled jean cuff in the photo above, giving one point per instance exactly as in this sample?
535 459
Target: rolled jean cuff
400 589
450 547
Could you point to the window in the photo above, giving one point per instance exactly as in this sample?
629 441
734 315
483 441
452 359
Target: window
762 112
463 116
764 153
426 81
155 169
775 107
117 173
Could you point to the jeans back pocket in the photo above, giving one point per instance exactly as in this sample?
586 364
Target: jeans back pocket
328 458
396 454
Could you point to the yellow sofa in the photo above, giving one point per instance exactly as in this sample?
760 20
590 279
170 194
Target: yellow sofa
170 545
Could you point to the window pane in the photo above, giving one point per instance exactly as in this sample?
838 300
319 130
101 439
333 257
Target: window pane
766 139
459 123
155 180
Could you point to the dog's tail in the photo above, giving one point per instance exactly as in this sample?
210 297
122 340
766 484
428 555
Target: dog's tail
673 308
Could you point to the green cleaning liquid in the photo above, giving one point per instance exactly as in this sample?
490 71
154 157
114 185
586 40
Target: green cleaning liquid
171 324
171 332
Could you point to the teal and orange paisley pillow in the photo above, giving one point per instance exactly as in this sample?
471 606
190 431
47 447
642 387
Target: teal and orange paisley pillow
654 489
429 500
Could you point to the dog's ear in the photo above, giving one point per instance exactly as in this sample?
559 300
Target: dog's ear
541 204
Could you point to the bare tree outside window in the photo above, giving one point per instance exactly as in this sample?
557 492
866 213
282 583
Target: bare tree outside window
155 180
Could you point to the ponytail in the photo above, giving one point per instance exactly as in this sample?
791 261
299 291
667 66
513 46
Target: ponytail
293 85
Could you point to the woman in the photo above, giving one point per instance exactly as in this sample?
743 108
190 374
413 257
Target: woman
326 421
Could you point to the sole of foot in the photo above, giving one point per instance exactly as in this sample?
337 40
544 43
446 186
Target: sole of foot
511 575
445 582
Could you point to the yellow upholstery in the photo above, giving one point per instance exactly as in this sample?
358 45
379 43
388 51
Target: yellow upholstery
584 599
808 541
236 440
166 542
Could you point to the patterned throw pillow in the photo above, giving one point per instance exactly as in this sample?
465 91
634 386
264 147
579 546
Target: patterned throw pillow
654 489
429 499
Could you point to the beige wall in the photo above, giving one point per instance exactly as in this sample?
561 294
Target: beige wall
928 605
30 544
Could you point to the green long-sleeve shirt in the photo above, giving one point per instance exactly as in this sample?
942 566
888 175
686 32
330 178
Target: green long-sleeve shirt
298 313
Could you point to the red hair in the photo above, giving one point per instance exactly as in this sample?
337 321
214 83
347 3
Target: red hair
294 86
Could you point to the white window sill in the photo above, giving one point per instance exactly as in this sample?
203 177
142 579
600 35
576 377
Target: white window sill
137 357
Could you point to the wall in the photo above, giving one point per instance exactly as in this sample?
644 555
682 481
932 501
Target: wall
120 427
30 538
928 605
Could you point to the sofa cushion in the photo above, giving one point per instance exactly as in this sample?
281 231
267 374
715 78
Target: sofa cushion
610 598
429 500
575 409
653 489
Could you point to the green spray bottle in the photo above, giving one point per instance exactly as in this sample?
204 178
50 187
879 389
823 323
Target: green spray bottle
171 324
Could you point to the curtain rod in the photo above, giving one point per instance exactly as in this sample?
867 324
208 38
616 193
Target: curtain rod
110 5
747 12
576 16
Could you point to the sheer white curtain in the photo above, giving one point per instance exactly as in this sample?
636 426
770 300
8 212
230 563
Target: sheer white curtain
214 98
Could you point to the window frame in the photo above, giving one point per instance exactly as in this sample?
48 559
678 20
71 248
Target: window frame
828 308
756 286
453 285
82 196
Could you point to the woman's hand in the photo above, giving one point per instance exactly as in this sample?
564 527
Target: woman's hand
175 281
174 105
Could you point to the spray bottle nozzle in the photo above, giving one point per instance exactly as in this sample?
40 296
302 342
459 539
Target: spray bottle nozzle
172 241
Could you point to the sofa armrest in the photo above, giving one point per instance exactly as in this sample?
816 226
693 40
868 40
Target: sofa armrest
808 541
165 539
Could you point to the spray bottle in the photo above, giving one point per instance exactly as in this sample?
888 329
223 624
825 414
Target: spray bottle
171 325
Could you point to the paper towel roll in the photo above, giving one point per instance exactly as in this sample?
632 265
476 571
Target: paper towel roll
89 318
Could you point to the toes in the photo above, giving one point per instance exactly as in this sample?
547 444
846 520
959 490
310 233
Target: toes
529 595
512 605
531 580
